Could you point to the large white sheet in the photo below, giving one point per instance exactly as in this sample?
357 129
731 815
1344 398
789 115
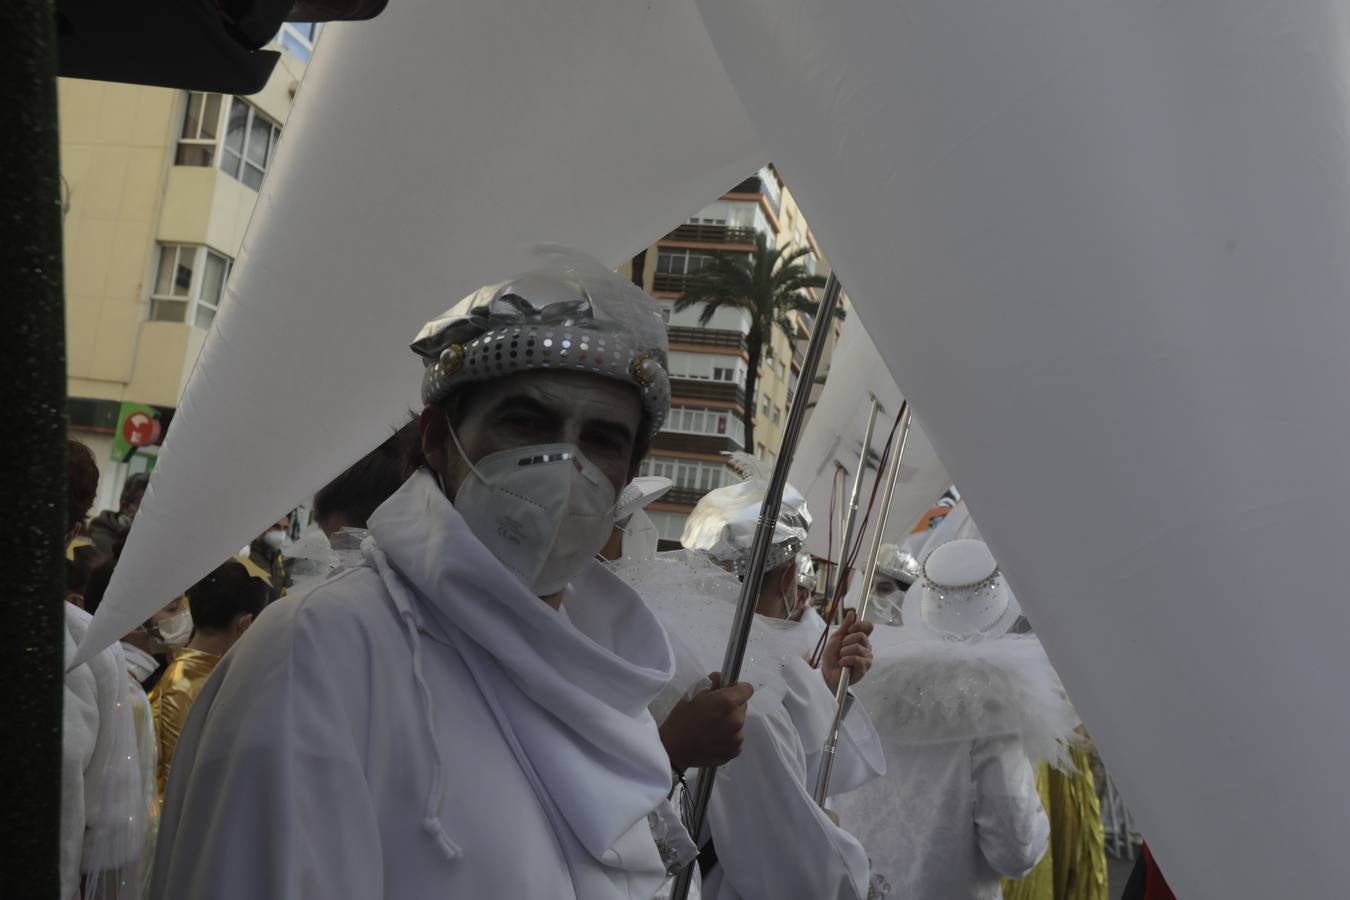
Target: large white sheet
427 151
833 440
1104 245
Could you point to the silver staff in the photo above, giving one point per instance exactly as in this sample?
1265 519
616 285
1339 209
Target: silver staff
759 550
835 572
869 573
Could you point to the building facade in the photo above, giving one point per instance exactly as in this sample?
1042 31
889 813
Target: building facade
157 188
709 364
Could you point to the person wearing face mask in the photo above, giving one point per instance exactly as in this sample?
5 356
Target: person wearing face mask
223 605
111 524
465 715
762 803
265 560
896 571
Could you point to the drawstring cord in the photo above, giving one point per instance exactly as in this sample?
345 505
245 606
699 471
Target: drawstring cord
431 822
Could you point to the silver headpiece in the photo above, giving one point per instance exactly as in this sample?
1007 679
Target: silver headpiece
723 523
572 313
898 564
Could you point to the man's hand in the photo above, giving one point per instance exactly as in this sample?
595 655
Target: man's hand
848 647
707 729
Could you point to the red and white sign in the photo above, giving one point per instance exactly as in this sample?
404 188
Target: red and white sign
140 429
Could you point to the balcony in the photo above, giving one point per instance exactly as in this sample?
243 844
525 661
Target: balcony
756 185
711 234
700 389
669 282
682 442
706 337
683 496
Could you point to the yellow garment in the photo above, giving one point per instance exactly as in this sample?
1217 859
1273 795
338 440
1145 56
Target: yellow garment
1074 868
254 569
1040 884
171 700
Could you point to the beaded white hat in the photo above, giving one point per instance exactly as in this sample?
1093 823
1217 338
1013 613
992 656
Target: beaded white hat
964 593
572 313
723 522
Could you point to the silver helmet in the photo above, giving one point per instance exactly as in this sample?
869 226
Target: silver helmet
572 313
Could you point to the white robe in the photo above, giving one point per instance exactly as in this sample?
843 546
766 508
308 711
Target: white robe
102 823
423 727
771 838
958 809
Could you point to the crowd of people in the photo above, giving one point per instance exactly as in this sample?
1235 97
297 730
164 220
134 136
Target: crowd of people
485 680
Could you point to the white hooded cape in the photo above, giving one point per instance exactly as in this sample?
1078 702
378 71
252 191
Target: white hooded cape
961 723
422 726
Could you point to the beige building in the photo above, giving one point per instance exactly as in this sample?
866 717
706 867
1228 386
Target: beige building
708 365
158 187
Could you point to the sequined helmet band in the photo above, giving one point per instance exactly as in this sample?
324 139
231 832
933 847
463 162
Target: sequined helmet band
571 314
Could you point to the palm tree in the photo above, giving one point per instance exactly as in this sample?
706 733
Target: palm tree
768 283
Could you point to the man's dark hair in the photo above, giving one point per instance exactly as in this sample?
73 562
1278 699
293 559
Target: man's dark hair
82 472
221 597
136 484
355 494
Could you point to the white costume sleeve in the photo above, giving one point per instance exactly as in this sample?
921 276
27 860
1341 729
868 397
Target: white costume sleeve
268 797
858 758
1012 827
771 838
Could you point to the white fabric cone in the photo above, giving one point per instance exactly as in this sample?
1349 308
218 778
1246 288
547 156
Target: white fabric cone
427 152
833 437
1104 247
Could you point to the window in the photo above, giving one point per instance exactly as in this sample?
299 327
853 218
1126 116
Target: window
777 414
201 130
764 404
249 138
189 282
299 38
780 368
669 525
697 420
706 367
690 474
681 261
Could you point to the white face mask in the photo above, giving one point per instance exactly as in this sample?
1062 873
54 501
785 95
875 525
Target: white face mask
176 630
544 511
274 538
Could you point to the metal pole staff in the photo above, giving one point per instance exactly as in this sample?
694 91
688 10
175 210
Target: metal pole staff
759 550
851 511
869 573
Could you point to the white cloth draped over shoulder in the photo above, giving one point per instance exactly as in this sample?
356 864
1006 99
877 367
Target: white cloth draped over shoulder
422 726
770 837
961 723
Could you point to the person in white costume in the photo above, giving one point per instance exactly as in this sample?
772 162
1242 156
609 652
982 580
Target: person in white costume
765 836
464 715
964 710
897 570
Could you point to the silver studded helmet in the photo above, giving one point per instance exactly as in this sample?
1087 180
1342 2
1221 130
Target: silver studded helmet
570 314
724 520
898 564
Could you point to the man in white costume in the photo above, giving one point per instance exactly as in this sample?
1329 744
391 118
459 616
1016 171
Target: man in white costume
964 710
464 715
765 836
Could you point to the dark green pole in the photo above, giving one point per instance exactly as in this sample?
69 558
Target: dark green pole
33 482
